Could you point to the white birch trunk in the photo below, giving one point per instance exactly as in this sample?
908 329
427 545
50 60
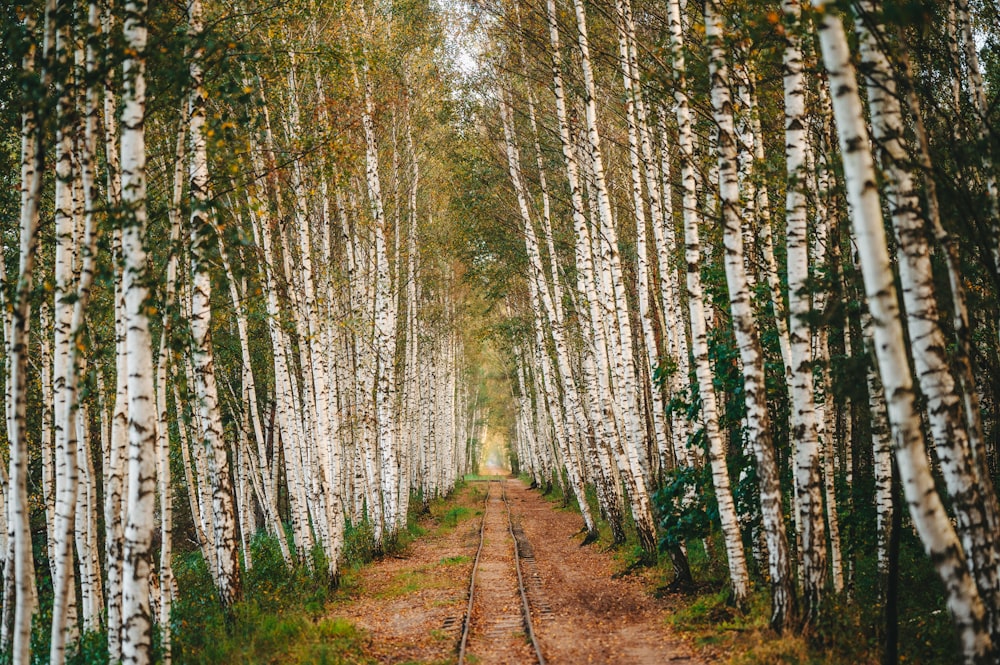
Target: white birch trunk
19 550
162 424
114 496
977 524
745 328
926 510
384 321
316 372
696 308
87 147
634 113
114 472
825 407
599 391
202 356
665 234
48 465
804 433
137 621
64 628
542 301
267 498
635 472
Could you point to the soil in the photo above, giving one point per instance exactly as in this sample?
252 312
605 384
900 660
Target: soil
596 616
412 605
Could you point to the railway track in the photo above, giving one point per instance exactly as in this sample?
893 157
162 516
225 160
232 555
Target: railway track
498 625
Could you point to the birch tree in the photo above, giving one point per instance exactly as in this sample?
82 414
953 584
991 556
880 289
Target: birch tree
32 168
136 627
744 325
975 512
808 482
926 510
223 506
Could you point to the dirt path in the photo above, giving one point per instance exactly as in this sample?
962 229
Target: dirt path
581 613
412 605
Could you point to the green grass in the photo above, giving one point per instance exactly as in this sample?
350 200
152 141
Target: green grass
411 581
282 619
455 515
455 560
286 615
478 477
256 636
848 630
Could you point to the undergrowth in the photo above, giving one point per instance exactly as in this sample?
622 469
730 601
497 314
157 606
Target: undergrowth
848 630
281 619
285 615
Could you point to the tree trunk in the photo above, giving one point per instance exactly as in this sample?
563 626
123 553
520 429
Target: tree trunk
977 524
136 617
804 433
745 329
928 513
202 356
19 548
738 574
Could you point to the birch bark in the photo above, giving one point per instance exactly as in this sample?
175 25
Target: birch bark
202 355
821 175
928 513
745 328
267 499
635 472
808 482
136 617
64 628
162 424
19 548
977 525
384 317
634 115
665 234
114 498
575 423
48 465
315 372
600 393
696 307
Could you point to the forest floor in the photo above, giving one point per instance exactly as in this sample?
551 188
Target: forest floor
410 606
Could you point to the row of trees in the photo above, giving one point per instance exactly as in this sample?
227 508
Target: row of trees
230 305
647 149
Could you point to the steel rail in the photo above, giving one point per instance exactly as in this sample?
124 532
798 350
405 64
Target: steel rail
525 605
467 622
